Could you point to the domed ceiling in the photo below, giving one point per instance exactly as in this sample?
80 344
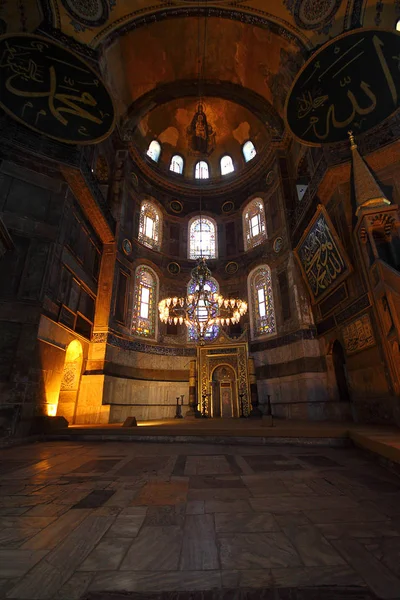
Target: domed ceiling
229 126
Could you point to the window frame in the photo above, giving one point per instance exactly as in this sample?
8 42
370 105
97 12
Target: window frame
250 241
247 160
214 224
208 170
232 163
154 214
152 305
154 141
255 313
183 164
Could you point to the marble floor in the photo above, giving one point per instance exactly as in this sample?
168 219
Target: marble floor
81 519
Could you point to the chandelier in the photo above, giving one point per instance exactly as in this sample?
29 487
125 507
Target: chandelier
202 308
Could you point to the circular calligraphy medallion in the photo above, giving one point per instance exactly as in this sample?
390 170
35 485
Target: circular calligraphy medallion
127 247
92 13
228 206
231 268
278 243
176 206
53 91
174 268
351 83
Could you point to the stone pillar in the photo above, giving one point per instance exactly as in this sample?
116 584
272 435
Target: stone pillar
255 411
191 413
89 407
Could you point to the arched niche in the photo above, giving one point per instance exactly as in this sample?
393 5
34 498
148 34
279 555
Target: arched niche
70 381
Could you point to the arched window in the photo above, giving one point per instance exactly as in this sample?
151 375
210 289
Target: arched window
262 315
248 150
398 25
150 225
202 238
201 170
154 150
254 229
226 165
176 164
211 332
145 303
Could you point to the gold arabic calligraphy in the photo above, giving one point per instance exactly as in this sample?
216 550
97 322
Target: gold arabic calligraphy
17 60
307 104
321 258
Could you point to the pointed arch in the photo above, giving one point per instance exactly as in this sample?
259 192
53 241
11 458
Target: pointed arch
254 226
261 299
176 164
150 225
248 150
145 301
226 164
154 150
202 238
201 170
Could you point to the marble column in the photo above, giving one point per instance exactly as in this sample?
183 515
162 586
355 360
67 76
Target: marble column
255 411
191 413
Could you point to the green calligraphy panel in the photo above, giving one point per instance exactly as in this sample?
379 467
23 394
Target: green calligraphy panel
52 91
352 82
322 258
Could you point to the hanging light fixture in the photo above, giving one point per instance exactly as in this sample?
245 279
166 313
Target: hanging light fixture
202 308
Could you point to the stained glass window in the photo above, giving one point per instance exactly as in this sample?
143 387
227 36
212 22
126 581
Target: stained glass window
262 315
176 164
201 170
202 238
212 332
150 225
154 150
254 229
249 150
145 303
226 165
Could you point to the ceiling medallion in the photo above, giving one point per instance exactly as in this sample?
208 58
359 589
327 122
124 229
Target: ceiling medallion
231 268
313 14
228 206
278 244
176 206
127 247
174 268
91 13
202 308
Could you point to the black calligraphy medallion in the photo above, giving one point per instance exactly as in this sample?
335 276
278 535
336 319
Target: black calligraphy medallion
322 258
352 82
52 91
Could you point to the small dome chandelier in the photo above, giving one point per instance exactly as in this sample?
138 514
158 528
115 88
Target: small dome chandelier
202 308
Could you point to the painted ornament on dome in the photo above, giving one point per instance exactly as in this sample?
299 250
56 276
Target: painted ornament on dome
200 134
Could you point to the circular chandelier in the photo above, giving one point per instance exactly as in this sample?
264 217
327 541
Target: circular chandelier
201 308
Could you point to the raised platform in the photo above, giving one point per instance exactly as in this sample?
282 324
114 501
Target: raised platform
384 441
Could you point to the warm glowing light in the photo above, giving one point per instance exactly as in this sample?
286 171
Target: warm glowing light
51 410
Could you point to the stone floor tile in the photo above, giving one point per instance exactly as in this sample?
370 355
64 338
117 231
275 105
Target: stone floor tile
195 507
294 519
387 550
215 494
164 581
376 575
14 510
371 529
122 498
299 503
127 526
345 515
199 548
155 549
165 515
292 577
75 587
256 550
197 482
161 493
15 563
48 510
228 505
107 556
134 510
26 521
15 536
245 522
313 548
52 535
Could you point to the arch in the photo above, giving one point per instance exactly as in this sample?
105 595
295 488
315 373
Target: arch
154 150
212 332
201 170
176 164
150 225
202 238
254 226
249 150
70 382
226 164
224 397
339 365
397 25
261 300
145 301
